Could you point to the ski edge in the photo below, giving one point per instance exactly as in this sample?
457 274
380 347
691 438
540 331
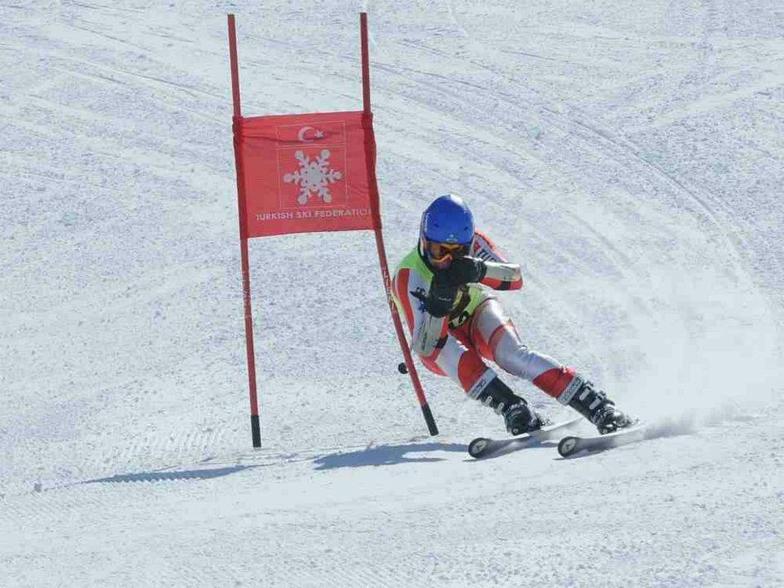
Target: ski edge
572 445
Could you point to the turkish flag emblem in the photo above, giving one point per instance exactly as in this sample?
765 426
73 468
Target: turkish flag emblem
306 172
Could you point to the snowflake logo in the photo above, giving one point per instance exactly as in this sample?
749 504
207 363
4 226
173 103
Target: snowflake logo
314 177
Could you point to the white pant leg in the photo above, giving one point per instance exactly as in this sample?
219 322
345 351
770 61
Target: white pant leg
499 337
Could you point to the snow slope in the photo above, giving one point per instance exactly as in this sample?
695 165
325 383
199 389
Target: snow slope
628 154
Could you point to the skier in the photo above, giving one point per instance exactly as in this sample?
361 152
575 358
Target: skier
455 322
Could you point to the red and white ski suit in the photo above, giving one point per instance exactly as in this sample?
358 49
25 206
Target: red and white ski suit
477 329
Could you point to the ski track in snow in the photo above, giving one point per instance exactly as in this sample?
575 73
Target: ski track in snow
629 155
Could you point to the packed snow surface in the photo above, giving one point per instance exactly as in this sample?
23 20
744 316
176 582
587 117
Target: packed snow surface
630 155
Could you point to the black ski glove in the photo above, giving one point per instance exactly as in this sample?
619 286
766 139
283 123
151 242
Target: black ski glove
441 298
443 289
464 270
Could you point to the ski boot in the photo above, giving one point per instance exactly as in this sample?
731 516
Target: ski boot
595 406
518 417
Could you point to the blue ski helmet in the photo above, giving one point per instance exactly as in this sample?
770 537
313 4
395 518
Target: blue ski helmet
447 230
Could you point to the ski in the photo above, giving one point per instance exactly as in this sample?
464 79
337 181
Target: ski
572 445
483 447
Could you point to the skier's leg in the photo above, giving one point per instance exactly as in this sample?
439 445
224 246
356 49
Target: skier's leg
464 365
497 339
494 334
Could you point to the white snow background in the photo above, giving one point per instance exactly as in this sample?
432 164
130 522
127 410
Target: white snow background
629 154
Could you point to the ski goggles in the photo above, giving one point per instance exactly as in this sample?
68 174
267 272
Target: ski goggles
438 252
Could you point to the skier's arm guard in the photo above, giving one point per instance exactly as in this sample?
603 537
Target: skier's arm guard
503 276
430 336
433 323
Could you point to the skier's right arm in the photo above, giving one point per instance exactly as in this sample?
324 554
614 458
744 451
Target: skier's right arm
425 308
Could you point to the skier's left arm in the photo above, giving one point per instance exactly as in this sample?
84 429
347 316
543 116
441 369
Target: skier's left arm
500 274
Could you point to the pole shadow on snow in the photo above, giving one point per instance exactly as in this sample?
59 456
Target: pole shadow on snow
205 474
386 455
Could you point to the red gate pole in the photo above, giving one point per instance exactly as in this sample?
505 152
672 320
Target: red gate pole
241 200
370 147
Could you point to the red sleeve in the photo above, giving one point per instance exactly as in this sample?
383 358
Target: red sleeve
485 248
503 284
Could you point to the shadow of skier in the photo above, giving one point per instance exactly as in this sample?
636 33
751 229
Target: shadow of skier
386 455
